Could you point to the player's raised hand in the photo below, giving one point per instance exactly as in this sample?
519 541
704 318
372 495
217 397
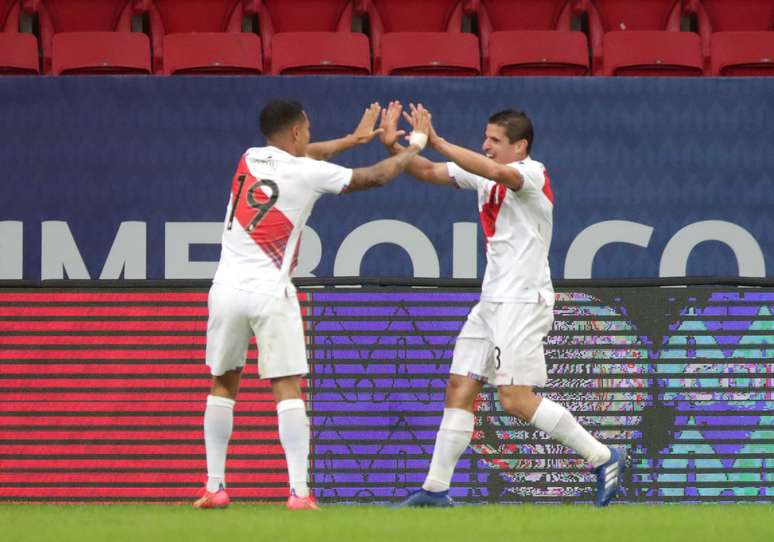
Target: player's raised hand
419 119
364 132
432 135
389 124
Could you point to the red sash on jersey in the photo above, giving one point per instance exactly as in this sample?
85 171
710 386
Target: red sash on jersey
491 209
547 187
271 234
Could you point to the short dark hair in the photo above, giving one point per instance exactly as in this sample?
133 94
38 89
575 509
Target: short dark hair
517 125
279 115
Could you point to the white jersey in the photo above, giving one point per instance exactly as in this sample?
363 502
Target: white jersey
272 196
517 226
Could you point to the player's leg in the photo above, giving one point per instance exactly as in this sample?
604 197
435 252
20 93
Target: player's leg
559 423
451 441
294 437
282 359
455 431
520 359
470 368
228 333
553 419
218 426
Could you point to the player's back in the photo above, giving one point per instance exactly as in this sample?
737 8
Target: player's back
272 196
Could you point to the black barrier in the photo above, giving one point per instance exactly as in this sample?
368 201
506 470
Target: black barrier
679 376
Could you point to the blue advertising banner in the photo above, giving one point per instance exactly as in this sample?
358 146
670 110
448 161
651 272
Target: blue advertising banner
128 177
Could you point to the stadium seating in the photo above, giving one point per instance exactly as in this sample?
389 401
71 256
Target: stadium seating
421 37
737 36
312 37
204 37
89 36
530 37
407 37
642 37
18 52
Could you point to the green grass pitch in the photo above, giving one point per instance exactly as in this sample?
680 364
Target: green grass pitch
528 523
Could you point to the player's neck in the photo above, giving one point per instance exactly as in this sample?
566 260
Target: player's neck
284 145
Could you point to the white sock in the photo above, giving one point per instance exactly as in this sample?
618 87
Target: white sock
294 436
560 425
453 438
218 424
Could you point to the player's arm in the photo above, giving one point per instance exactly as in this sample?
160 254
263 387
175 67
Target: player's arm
426 170
471 161
382 172
364 133
420 168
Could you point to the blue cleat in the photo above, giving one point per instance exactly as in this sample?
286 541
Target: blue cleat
609 476
423 497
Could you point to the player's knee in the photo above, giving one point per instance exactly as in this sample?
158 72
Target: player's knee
461 392
455 385
226 385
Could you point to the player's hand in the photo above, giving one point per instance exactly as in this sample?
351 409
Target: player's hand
415 111
364 132
419 119
389 124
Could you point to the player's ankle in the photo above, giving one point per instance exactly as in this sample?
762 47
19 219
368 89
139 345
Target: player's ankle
435 486
215 484
299 490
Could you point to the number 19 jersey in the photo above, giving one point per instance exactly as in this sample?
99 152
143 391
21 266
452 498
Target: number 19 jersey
272 196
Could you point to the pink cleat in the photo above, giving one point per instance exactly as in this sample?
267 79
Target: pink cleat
219 499
301 503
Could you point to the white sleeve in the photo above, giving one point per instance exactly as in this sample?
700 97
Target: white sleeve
463 178
534 178
327 178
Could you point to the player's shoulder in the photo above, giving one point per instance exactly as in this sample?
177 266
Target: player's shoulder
267 153
254 151
529 164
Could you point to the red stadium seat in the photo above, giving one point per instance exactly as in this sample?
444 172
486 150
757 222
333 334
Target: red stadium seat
530 37
737 36
312 37
421 37
18 52
100 52
89 36
641 37
646 53
742 54
204 36
219 53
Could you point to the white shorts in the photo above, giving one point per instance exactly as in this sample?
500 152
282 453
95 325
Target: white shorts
502 344
237 315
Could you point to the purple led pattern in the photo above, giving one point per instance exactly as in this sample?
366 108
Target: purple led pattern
625 363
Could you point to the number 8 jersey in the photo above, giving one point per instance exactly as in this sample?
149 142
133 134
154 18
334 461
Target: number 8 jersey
272 196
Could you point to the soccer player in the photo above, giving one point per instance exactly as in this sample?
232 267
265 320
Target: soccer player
502 340
272 194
